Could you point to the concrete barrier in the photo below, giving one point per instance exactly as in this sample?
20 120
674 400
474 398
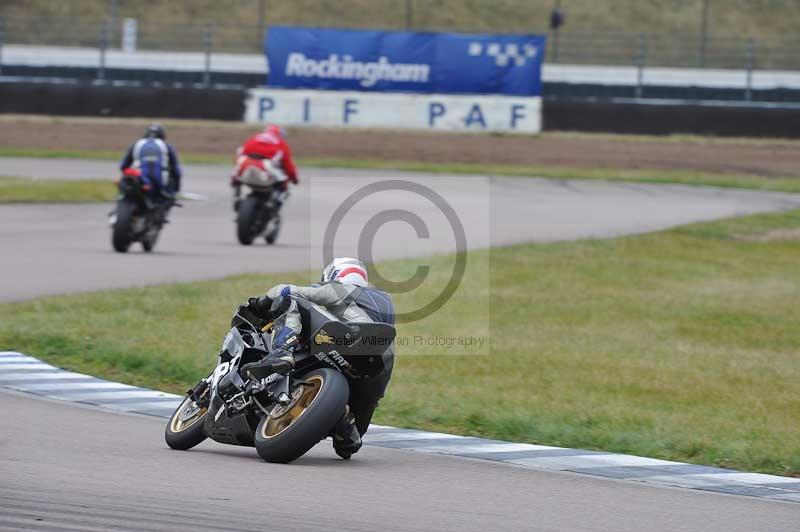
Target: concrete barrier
107 100
672 117
617 116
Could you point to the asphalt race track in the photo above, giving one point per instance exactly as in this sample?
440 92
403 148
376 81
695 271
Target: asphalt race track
65 467
74 468
58 249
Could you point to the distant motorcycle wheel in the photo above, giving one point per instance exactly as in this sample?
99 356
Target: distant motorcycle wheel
150 239
185 428
121 232
274 228
290 431
247 220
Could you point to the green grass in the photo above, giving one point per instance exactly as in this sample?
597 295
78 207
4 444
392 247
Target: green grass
680 345
192 158
761 18
681 176
17 190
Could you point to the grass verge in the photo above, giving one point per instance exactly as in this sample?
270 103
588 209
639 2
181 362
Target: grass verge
680 345
17 190
681 176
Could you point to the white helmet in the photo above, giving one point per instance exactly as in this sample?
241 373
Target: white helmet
345 270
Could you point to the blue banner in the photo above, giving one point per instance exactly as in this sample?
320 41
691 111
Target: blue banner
443 63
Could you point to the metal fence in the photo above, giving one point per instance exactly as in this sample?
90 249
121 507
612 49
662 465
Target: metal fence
195 51
686 49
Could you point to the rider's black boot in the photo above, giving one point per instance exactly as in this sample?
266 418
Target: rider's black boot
281 356
280 360
346 439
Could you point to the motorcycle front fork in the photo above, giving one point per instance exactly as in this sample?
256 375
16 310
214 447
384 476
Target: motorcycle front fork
198 392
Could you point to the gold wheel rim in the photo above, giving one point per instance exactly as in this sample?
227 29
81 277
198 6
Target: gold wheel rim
283 417
179 425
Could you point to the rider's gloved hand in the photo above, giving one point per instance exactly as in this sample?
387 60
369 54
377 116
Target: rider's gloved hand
280 305
260 306
254 310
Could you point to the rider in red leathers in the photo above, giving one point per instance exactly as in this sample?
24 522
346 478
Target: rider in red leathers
269 144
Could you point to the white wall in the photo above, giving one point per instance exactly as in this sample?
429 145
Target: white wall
479 113
257 63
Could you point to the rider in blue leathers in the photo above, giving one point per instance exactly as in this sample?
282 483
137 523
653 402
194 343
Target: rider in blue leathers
158 164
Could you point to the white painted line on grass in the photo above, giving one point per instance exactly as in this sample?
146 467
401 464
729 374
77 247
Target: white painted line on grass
589 461
7 361
483 448
747 478
61 375
11 354
785 497
57 387
10 368
411 435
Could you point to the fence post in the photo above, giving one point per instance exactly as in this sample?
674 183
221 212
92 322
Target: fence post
2 40
751 60
208 40
554 54
262 10
703 33
641 59
104 30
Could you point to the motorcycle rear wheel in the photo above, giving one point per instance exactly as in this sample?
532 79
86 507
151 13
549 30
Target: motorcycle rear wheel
272 233
290 431
122 231
186 426
150 238
247 220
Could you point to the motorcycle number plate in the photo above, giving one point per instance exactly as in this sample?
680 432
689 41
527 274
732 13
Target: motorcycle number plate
220 372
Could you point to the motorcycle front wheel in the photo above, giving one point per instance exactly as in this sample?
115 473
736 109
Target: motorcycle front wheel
185 428
289 431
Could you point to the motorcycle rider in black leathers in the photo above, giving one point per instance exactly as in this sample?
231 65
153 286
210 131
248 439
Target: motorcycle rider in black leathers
345 293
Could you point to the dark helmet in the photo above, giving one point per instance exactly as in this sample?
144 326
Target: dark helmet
155 131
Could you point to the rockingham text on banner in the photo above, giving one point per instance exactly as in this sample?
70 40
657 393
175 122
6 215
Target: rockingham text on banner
395 61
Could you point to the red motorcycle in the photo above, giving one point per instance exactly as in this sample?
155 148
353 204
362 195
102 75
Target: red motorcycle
258 214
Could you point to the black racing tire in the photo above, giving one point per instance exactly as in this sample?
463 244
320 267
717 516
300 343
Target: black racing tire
182 437
149 241
122 231
320 413
247 220
272 235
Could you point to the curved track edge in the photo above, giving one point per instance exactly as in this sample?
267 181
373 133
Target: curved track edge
24 373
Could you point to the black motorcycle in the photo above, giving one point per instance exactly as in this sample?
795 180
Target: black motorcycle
137 216
283 417
258 214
